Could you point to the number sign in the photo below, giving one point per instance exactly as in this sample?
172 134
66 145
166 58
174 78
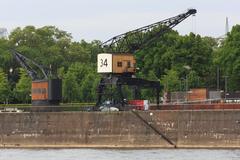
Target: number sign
104 63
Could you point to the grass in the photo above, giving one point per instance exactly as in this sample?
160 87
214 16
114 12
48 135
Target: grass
61 107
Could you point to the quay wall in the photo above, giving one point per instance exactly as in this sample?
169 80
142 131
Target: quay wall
132 129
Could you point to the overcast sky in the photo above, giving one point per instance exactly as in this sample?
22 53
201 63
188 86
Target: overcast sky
103 19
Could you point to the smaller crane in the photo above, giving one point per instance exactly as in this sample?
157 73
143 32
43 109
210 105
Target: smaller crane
45 90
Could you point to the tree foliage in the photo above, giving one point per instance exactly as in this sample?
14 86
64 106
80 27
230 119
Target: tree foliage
171 81
75 62
229 60
23 87
4 87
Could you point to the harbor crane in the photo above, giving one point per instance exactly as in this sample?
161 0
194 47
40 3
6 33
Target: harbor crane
45 90
118 65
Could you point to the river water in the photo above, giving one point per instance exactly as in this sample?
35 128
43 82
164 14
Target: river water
108 154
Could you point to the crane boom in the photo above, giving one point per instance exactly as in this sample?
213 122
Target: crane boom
135 40
24 62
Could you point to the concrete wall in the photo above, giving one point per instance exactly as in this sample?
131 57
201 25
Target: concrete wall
121 129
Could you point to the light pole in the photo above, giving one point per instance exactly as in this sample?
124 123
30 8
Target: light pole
218 73
186 84
186 78
226 83
182 84
180 88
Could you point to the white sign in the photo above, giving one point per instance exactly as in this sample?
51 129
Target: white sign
104 61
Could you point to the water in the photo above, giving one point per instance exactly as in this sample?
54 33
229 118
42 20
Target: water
107 154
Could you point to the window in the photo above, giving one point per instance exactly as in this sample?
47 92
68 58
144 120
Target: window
39 91
119 64
128 64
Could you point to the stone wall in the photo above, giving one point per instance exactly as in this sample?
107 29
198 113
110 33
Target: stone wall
218 129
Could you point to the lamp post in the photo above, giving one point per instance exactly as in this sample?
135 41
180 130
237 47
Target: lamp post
186 78
218 81
226 83
182 84
186 81
186 84
180 88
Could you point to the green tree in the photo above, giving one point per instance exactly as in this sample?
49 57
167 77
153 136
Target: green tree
157 56
172 51
194 80
70 88
75 62
149 93
81 80
4 87
86 92
5 55
171 81
229 60
23 87
47 46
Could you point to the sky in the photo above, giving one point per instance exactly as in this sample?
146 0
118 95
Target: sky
103 19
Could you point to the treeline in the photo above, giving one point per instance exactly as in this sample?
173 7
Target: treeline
179 62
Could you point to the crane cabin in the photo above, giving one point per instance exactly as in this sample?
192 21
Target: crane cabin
116 63
46 92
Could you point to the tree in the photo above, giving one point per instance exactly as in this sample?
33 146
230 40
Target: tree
229 60
4 87
163 59
149 93
80 83
194 80
172 51
157 56
47 46
171 81
86 92
78 52
70 88
5 55
23 87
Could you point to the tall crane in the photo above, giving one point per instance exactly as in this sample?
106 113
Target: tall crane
118 65
45 90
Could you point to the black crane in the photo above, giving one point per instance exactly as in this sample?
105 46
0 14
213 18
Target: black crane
45 89
129 43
